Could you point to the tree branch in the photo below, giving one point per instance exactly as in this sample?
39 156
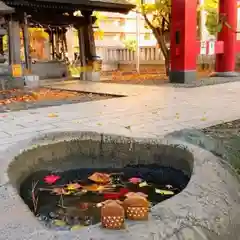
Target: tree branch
147 20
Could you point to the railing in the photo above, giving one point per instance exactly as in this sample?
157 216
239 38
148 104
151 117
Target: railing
114 57
124 55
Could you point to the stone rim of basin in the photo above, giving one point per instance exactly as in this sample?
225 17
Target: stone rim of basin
206 209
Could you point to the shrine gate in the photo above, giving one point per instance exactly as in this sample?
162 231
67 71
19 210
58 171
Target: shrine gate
185 47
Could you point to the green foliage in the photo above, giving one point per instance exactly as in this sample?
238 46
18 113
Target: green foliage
212 19
147 36
5 43
212 24
100 17
130 44
157 12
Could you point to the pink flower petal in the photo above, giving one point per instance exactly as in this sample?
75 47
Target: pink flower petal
135 180
50 179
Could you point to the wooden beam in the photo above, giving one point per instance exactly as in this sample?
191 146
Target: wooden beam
108 6
51 18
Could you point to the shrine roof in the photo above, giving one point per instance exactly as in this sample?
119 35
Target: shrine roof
4 9
121 6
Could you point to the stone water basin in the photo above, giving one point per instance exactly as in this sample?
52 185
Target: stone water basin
206 207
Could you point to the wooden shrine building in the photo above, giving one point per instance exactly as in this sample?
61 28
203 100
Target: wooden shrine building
55 16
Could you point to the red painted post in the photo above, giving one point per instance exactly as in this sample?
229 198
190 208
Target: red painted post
225 63
183 51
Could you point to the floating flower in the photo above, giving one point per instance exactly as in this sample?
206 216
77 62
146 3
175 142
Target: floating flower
73 186
135 180
116 195
50 179
100 177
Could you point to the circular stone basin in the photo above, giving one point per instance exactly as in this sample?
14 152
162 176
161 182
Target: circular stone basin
207 208
52 179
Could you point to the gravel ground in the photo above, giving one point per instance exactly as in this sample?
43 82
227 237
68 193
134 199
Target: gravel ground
222 140
16 100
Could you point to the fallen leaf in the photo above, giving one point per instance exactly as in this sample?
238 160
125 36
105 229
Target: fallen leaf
73 186
52 115
76 227
100 177
143 184
59 223
128 127
164 192
203 119
99 124
93 188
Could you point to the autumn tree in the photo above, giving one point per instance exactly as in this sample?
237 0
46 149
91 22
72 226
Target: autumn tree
157 16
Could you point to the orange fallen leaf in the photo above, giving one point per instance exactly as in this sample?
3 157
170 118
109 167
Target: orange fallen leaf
100 177
93 188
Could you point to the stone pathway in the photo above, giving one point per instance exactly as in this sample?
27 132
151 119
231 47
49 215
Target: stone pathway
151 112
147 112
101 87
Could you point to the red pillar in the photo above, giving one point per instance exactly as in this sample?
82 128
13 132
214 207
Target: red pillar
183 51
225 63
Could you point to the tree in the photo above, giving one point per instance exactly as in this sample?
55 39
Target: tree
157 16
130 44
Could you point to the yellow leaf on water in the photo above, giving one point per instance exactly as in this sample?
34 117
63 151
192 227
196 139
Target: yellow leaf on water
73 186
143 184
99 124
164 192
203 119
76 227
52 115
59 223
